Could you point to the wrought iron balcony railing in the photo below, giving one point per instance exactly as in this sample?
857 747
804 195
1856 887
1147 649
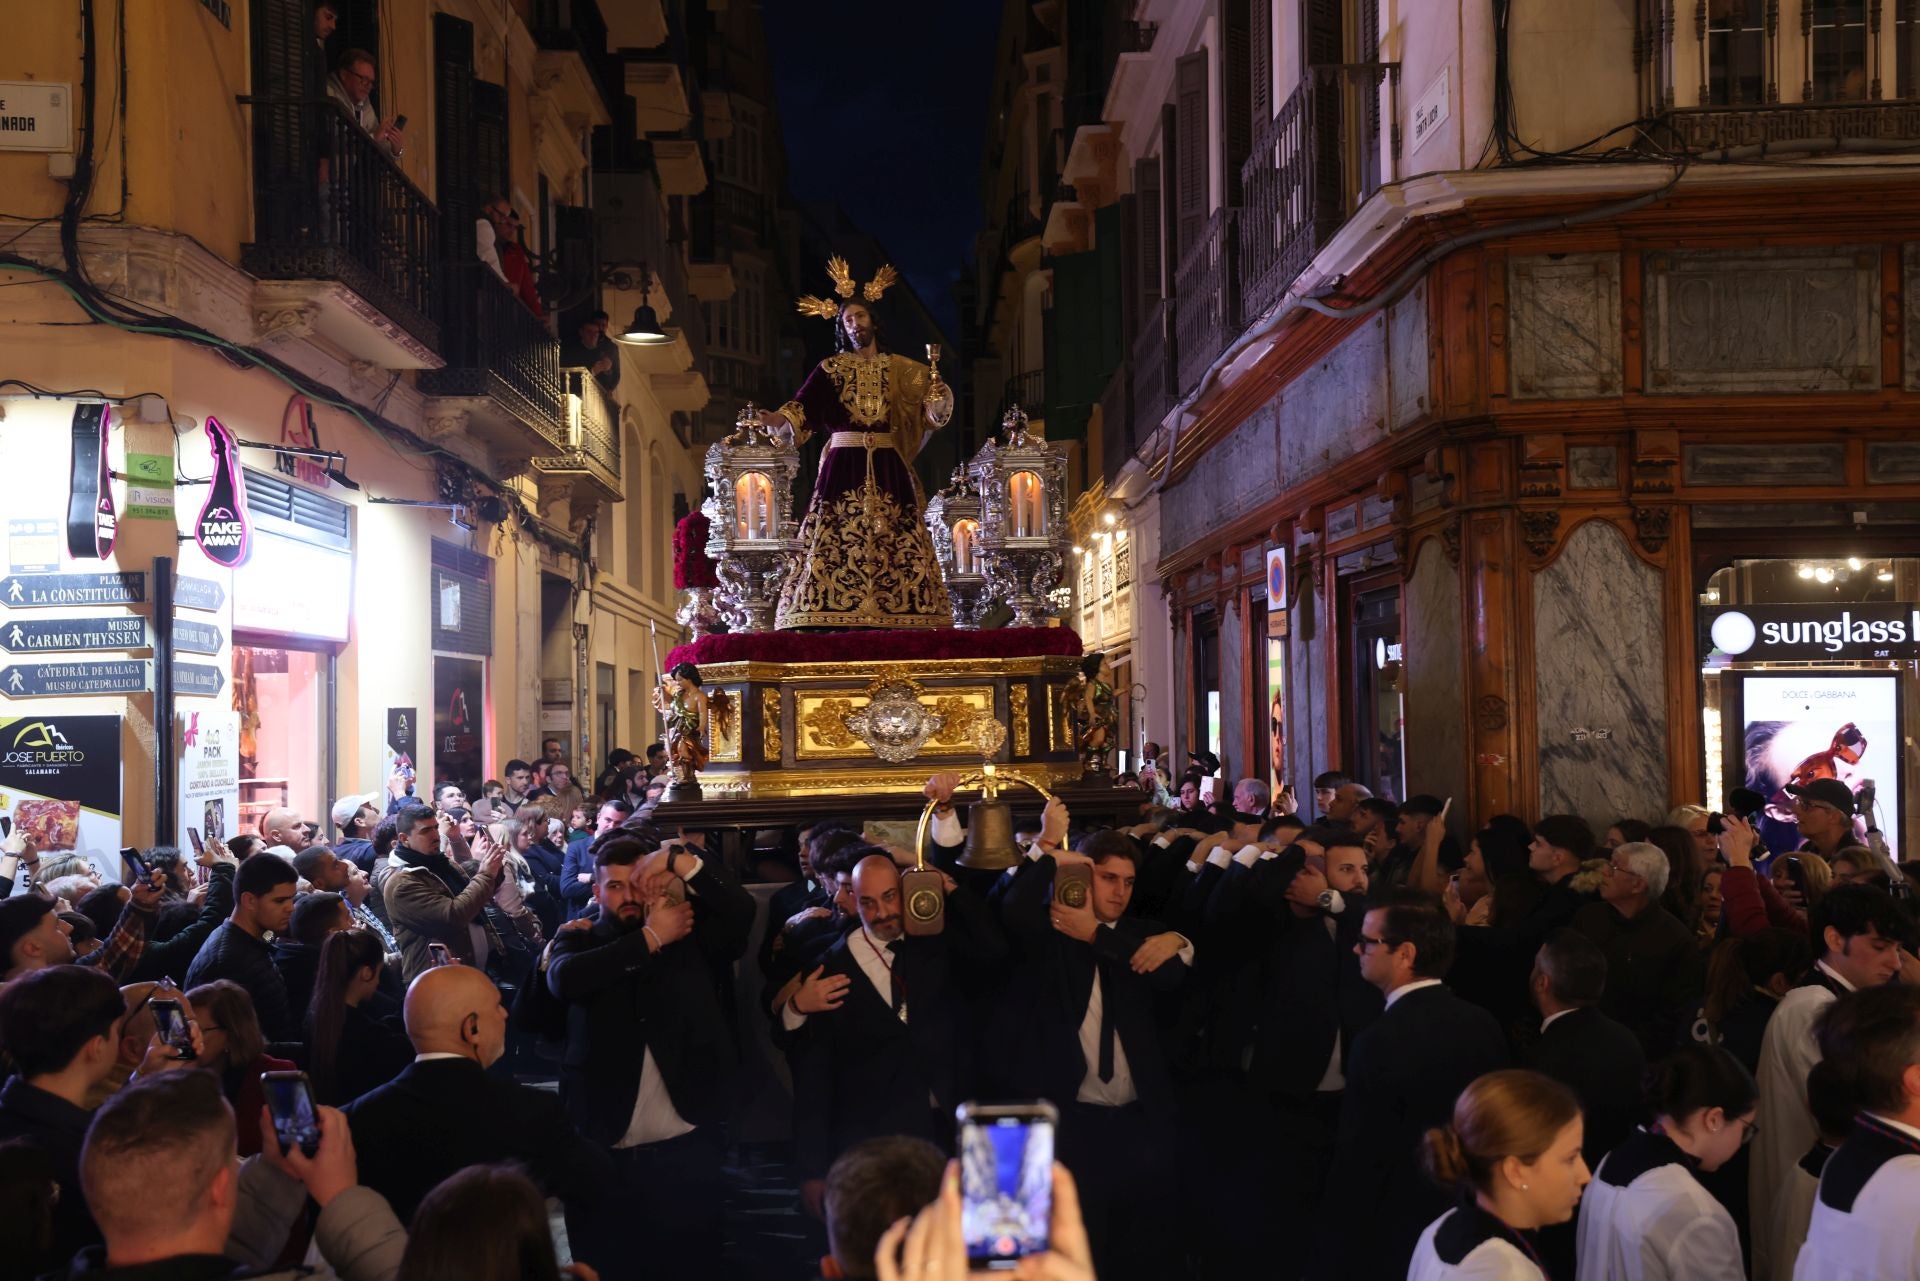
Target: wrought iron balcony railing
1206 311
331 204
495 347
593 434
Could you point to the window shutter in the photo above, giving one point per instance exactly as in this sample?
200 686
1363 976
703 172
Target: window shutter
1129 269
358 28
1322 43
490 138
281 163
461 603
1260 61
1236 85
1169 196
1190 110
1146 186
453 133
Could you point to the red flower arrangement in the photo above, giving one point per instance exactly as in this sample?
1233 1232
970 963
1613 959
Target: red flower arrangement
692 567
830 647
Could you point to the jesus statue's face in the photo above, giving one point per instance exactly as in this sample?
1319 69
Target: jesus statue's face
857 321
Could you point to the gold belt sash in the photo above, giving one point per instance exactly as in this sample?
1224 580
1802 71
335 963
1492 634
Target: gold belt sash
862 440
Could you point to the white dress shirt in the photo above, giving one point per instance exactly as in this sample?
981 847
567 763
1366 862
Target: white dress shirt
655 1119
1414 986
875 962
1119 1091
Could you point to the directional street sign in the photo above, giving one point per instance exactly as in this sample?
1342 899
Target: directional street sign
197 678
39 591
71 635
196 638
198 593
111 676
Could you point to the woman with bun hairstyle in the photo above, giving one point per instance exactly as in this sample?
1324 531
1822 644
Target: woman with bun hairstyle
1512 1152
1646 1217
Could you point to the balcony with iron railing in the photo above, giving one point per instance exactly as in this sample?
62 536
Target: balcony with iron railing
1152 367
1292 192
499 352
333 208
1206 311
592 458
1029 391
575 28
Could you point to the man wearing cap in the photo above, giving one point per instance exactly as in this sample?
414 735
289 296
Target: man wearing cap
33 937
356 817
1823 810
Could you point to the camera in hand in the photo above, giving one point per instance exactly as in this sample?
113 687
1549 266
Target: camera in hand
296 1122
171 1021
1742 802
1006 1181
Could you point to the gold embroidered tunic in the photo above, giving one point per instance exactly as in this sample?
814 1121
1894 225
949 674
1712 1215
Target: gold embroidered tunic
866 558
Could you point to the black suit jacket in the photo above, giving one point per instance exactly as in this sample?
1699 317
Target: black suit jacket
859 1071
624 999
1310 991
1601 1061
1403 1077
442 1115
1058 985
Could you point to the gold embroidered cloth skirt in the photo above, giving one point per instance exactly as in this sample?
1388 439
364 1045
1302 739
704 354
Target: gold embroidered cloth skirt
866 558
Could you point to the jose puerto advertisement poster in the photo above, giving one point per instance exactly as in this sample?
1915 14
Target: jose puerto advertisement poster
60 784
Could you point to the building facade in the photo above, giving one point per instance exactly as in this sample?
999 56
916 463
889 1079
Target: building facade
458 541
1477 361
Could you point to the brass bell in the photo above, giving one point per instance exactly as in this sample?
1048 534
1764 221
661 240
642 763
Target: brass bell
990 846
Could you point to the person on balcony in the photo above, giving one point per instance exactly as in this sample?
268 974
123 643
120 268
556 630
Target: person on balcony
497 242
592 350
352 87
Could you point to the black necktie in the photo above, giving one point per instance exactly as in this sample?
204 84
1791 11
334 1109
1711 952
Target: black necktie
894 994
1106 1024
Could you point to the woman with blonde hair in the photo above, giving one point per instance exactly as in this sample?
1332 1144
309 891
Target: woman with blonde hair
1512 1152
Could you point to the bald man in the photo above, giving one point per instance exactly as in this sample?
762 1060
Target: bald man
885 1023
284 827
446 1111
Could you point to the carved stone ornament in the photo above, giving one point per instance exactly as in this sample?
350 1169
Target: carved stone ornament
285 323
1490 713
1538 530
895 725
1654 526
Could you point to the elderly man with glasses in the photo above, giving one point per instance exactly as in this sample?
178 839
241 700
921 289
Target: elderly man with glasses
351 85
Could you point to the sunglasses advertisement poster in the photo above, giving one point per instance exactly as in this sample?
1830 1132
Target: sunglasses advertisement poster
60 784
1796 730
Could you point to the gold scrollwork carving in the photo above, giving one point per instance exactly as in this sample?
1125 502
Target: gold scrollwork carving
826 722
770 725
723 708
1022 718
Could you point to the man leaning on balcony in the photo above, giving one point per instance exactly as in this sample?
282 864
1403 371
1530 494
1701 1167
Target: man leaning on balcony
591 349
352 87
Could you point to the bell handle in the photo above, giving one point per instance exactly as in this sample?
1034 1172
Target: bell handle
926 812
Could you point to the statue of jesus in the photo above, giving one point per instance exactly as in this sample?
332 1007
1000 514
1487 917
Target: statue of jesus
866 558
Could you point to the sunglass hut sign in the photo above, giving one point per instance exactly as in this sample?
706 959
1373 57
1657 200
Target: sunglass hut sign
1814 633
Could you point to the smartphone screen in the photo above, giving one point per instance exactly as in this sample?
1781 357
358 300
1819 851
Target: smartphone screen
1006 1181
441 953
290 1102
193 835
171 1021
136 866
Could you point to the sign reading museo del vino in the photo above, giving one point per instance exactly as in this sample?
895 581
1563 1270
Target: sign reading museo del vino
221 530
1815 633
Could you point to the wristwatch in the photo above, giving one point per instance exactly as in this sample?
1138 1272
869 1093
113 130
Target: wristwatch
1325 900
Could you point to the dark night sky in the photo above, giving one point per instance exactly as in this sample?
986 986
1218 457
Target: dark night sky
883 104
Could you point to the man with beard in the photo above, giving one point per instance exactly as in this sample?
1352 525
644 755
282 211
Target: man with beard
650 1053
882 1050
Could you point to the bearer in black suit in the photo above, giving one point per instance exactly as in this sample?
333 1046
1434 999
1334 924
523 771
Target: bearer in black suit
884 1044
446 1112
1599 1059
650 1053
1090 976
1404 1074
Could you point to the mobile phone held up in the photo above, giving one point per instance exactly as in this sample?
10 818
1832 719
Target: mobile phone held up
137 870
171 1022
296 1122
441 953
1006 1181
199 845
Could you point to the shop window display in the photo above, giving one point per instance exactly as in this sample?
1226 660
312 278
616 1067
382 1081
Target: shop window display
281 696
